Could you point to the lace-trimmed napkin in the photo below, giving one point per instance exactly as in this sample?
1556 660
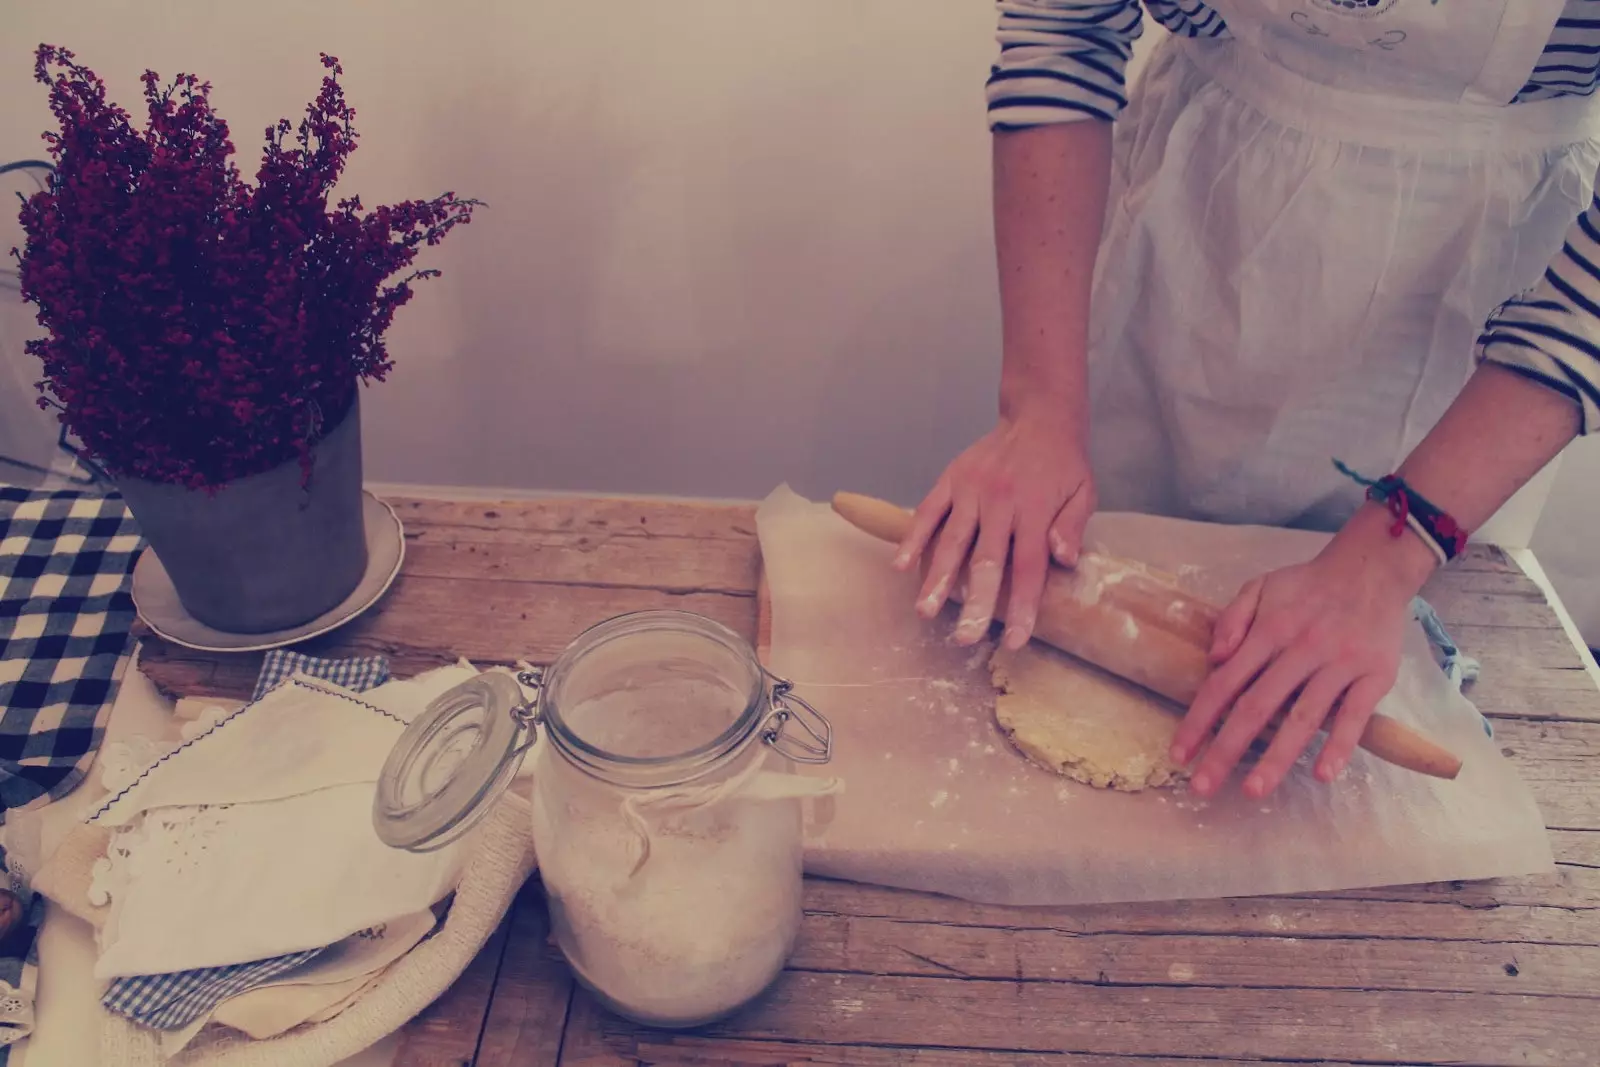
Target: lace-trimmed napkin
182 1001
499 860
19 958
253 838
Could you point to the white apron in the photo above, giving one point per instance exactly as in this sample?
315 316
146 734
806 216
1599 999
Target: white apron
1309 225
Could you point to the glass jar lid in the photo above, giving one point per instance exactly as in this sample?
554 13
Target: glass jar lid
453 761
641 701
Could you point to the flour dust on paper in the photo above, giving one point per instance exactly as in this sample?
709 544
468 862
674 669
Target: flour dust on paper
1081 722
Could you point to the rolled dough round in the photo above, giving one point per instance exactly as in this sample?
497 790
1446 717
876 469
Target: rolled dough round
1079 721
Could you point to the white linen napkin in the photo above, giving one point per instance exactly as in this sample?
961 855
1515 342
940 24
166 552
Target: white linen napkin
254 838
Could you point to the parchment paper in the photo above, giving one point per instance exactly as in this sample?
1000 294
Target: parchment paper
935 799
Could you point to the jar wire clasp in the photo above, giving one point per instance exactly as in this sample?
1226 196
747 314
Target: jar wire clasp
812 739
526 713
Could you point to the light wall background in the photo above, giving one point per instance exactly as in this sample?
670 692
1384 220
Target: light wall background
729 243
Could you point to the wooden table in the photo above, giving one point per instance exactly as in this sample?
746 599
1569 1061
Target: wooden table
1505 972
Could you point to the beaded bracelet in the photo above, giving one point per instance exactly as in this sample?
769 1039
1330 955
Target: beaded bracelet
1441 533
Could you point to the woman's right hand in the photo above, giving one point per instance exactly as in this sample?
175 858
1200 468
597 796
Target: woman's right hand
1021 494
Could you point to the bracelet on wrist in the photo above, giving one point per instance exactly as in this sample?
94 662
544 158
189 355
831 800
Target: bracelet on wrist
1445 537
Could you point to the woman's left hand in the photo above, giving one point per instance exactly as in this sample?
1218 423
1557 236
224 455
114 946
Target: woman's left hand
1323 637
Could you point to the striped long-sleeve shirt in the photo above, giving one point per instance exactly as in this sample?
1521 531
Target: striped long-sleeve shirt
1064 61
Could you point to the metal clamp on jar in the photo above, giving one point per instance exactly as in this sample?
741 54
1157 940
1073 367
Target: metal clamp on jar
666 816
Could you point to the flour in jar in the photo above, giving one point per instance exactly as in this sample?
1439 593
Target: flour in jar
701 927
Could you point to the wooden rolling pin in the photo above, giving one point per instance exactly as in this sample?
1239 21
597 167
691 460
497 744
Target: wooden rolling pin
1135 622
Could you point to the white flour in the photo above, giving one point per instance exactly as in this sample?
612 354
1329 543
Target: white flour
707 921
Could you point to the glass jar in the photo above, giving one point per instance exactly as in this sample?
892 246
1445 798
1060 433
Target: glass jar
667 826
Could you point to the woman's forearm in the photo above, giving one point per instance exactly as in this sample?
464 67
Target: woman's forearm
1498 434
1501 431
1050 187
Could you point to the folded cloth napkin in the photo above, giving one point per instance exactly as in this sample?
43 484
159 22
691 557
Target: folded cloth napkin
316 990
66 614
174 1001
499 860
253 838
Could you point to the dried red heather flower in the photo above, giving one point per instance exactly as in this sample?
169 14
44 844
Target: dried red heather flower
202 329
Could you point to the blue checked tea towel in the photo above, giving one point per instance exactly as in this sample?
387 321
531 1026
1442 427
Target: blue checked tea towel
66 618
173 1001
357 674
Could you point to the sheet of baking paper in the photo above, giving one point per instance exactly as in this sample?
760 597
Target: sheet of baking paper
936 800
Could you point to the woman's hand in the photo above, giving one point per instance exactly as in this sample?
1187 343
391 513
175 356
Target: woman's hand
1323 637
1022 491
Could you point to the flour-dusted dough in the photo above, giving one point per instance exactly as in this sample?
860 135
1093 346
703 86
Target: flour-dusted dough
1076 720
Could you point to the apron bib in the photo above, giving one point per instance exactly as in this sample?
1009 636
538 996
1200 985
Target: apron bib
1309 224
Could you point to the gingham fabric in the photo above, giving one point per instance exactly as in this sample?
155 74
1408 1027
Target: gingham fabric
66 563
357 674
173 1001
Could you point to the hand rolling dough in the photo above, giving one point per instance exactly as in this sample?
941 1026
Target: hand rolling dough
1079 721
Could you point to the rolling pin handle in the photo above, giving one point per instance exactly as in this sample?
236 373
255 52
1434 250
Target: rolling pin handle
881 519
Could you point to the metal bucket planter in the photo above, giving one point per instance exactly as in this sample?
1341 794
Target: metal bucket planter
263 553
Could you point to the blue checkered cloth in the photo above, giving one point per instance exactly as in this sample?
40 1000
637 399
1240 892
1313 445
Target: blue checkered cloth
66 620
357 674
173 1001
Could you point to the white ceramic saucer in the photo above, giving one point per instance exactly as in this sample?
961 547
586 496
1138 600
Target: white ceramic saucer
158 604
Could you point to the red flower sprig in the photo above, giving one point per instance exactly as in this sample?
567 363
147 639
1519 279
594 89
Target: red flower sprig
200 328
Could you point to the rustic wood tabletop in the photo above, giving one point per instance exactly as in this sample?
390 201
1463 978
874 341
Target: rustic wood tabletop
1491 973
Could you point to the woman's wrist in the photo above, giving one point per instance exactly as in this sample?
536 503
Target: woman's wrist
1406 561
1057 393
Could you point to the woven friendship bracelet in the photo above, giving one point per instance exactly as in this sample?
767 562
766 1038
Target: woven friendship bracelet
1441 533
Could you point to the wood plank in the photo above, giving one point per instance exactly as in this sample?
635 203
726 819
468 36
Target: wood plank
500 622
1525 610
847 945
1576 848
446 1033
657 544
1405 1027
531 995
1558 761
732 521
1570 888
1535 648
1509 690
678 564
1438 913
428 622
597 1039
1498 580
1481 557
651 1049
594 1037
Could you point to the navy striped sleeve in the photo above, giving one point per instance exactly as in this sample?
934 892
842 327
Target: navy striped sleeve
1061 61
1551 334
